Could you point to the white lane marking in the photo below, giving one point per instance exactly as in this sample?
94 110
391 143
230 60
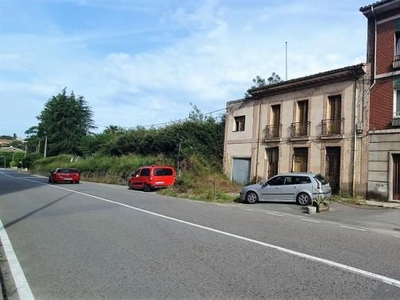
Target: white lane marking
274 214
311 221
384 279
353 228
22 286
381 278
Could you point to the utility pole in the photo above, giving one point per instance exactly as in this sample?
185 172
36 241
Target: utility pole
179 152
285 60
45 146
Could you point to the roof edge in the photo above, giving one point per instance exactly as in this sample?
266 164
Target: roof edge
359 70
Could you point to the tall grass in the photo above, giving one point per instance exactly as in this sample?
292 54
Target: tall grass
108 169
198 180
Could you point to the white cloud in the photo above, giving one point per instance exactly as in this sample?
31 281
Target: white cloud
200 52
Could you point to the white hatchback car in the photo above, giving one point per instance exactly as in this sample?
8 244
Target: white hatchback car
302 188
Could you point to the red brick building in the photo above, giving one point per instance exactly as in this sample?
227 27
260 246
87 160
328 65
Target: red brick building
383 106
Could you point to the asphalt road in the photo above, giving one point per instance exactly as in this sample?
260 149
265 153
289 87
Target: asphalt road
97 241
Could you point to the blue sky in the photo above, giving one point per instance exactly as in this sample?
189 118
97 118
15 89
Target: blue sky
145 62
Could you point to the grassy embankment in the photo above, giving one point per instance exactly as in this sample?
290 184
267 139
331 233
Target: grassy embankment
197 180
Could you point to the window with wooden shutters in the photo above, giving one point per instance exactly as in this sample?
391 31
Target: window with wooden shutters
334 117
397 51
274 130
301 126
239 123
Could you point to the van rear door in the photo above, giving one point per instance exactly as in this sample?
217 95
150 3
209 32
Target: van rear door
163 176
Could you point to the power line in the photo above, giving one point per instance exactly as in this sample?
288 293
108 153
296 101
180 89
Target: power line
162 124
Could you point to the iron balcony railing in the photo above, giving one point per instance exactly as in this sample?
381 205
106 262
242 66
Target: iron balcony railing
332 127
273 131
300 130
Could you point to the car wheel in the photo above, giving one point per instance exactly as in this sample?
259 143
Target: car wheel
50 181
77 181
303 199
251 197
147 187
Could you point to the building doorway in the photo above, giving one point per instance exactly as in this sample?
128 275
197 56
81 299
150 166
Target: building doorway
272 158
300 160
396 176
241 170
332 168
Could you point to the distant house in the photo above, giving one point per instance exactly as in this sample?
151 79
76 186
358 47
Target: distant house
4 142
308 124
383 56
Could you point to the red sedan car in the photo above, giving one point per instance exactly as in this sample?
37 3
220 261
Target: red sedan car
70 175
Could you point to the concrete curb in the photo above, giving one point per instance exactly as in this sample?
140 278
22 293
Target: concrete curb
369 204
383 204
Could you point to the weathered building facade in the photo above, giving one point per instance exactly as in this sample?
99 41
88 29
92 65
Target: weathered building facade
310 124
383 55
345 126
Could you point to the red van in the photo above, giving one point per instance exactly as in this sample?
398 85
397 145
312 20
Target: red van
149 178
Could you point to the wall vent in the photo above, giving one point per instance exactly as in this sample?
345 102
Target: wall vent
359 128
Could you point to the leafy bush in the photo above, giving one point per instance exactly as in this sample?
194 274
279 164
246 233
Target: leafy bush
30 159
108 169
198 180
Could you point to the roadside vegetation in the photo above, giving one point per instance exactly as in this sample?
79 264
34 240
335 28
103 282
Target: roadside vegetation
197 180
63 137
346 198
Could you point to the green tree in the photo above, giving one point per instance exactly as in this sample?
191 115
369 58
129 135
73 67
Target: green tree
64 122
32 140
199 134
260 82
114 129
6 137
196 115
274 78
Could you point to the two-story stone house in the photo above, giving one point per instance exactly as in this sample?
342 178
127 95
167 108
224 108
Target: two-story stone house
383 55
308 124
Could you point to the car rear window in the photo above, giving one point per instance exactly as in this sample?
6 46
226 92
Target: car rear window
321 179
68 171
163 172
297 180
302 179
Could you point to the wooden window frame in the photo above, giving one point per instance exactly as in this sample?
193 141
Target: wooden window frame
239 123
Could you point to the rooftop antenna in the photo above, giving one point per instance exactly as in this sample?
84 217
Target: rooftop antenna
286 60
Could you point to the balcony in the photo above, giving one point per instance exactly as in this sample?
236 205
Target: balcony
273 132
332 128
300 131
396 62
